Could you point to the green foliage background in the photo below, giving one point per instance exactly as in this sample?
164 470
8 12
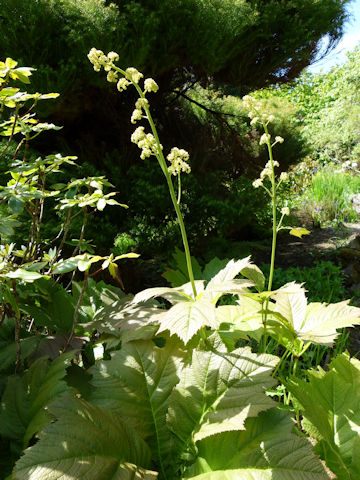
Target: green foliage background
211 52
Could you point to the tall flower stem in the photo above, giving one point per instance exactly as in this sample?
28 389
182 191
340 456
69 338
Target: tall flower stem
274 230
163 166
274 217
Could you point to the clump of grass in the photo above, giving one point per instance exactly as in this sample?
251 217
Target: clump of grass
329 195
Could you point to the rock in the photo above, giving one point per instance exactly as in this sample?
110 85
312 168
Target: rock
349 254
356 203
355 242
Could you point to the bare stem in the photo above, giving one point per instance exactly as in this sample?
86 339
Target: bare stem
76 311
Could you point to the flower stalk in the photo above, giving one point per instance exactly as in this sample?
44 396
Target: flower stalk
149 143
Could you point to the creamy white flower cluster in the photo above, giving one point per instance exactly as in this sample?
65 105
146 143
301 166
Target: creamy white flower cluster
146 142
178 159
255 109
140 105
131 74
99 59
267 172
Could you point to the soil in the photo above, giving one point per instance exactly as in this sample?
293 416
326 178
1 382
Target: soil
321 244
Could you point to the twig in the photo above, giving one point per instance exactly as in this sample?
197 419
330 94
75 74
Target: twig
76 311
17 329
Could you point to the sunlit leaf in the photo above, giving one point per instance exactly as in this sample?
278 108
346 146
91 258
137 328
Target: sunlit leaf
299 232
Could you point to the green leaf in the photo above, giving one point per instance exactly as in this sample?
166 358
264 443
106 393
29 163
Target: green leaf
330 404
10 63
127 320
8 350
228 273
173 295
94 444
64 266
136 384
186 318
299 232
22 274
55 311
213 267
16 204
246 317
316 322
20 75
126 255
178 275
254 273
8 91
217 393
266 450
23 407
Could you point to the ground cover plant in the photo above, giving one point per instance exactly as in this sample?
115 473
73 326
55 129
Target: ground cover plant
174 394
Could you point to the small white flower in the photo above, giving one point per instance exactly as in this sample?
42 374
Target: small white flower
254 120
283 176
285 211
97 58
279 139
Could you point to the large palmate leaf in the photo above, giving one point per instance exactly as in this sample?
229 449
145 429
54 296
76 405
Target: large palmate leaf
245 318
23 407
173 295
127 320
265 450
85 443
136 383
215 288
330 404
185 319
217 392
316 322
